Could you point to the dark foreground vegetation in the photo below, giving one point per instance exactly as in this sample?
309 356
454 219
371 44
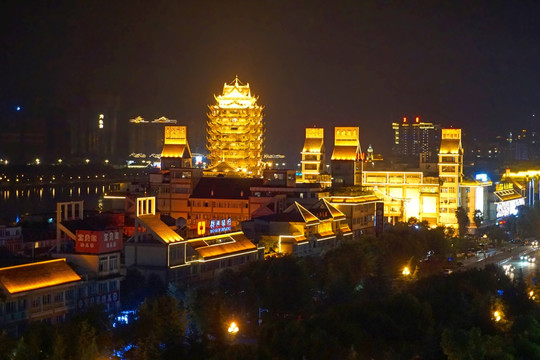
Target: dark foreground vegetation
352 303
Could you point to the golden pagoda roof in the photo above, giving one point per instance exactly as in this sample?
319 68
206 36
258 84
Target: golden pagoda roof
335 212
176 151
158 227
211 247
450 146
236 95
306 214
345 153
27 277
353 199
315 145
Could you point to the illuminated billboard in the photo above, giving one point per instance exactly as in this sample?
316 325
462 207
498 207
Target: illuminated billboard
96 242
510 207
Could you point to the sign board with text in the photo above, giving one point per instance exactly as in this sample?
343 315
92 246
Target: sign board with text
96 242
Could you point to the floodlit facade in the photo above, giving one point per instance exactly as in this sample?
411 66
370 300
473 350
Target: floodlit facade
236 129
450 175
313 155
346 157
405 194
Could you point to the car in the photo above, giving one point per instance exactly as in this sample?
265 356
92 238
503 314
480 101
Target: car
531 259
447 271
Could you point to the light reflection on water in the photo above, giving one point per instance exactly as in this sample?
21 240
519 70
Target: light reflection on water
43 199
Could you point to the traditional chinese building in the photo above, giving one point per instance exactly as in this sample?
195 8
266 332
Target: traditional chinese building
303 231
346 157
313 155
360 212
157 248
235 129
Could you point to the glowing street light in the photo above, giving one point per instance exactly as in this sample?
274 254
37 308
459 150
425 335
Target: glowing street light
233 328
497 316
406 271
87 161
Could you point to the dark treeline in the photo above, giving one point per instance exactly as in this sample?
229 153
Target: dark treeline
352 303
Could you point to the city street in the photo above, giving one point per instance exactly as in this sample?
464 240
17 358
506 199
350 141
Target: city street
510 256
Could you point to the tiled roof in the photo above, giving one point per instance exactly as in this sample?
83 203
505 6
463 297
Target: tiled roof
175 151
314 145
233 243
345 153
450 146
224 188
16 279
158 227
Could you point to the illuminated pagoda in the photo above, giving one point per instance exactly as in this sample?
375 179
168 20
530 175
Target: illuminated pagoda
235 130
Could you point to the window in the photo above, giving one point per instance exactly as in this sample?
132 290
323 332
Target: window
113 263
102 288
46 299
113 285
102 264
59 297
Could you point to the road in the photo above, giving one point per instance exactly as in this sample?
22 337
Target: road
509 256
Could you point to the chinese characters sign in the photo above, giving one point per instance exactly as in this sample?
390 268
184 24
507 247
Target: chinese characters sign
96 242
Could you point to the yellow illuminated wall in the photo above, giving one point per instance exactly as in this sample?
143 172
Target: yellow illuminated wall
175 135
313 155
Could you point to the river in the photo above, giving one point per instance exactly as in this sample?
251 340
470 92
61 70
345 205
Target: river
16 201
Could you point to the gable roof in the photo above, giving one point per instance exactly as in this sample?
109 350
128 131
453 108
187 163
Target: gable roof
155 225
27 277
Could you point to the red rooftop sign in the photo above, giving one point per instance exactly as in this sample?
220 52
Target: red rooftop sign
96 242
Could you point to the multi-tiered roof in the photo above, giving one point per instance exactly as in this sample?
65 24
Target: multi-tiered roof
236 129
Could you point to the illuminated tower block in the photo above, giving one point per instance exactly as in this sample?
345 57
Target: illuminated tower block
236 129
313 155
450 175
346 158
176 152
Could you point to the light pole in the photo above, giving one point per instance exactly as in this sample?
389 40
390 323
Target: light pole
261 311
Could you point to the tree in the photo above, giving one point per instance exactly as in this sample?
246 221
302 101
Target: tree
478 218
463 221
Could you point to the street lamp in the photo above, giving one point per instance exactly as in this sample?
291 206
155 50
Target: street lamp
497 316
261 311
406 271
233 328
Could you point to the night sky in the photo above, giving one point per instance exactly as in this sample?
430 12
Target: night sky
470 64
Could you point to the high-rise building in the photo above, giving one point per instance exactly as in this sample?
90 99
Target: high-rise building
236 129
313 155
412 138
450 175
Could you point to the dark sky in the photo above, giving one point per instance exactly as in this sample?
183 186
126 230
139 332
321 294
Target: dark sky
470 64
